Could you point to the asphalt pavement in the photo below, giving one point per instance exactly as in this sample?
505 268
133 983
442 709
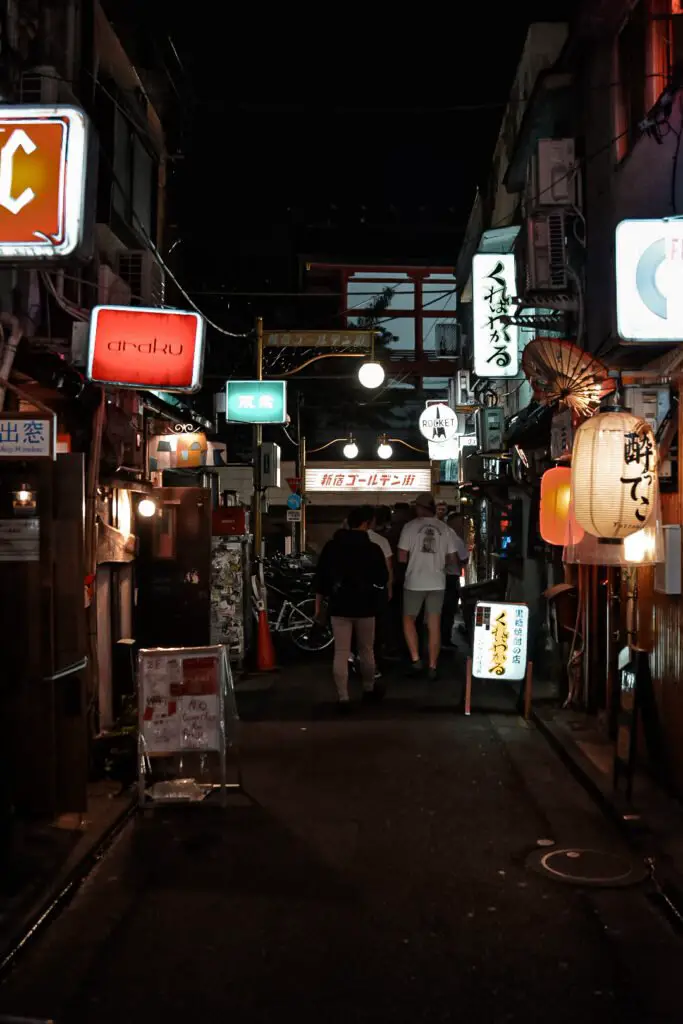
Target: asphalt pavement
384 867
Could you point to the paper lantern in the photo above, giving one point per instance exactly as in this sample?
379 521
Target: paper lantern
614 474
556 492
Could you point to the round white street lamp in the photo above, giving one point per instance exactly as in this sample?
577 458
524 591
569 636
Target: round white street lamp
371 375
384 449
350 449
147 508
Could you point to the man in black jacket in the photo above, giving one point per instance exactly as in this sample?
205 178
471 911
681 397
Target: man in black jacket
352 576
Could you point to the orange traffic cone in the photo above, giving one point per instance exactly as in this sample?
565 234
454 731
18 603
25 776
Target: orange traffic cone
265 652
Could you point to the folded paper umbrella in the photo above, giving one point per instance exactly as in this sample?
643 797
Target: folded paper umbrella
564 375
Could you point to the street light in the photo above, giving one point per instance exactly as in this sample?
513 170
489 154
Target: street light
350 449
371 375
384 449
147 508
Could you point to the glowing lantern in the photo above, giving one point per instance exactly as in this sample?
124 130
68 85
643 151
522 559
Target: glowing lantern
614 474
556 489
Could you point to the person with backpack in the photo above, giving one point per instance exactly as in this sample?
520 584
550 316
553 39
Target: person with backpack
352 577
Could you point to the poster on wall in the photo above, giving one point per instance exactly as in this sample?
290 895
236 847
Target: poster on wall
227 595
500 641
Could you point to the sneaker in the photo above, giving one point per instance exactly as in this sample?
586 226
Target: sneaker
433 674
378 674
375 695
344 707
415 668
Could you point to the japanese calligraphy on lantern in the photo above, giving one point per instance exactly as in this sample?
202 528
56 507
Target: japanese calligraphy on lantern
499 649
496 351
639 472
357 480
25 436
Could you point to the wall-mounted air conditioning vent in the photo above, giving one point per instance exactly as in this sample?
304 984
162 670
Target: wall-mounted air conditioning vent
44 84
547 252
111 289
142 272
552 179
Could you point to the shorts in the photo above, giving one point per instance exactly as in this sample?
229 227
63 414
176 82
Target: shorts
414 599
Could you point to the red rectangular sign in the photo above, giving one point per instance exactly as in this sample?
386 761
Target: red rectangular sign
135 347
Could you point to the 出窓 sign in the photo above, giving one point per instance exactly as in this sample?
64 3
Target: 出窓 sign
27 436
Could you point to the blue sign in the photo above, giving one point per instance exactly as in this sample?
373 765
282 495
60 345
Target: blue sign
294 501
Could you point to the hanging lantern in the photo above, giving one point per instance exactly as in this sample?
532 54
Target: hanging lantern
556 492
614 474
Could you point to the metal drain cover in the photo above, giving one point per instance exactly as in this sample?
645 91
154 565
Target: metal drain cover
576 866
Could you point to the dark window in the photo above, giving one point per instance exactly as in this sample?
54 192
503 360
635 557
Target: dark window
631 60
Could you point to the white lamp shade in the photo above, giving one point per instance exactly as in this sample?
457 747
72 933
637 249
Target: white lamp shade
371 375
147 508
614 474
350 450
385 451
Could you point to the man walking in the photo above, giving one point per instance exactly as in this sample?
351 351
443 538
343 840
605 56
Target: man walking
352 575
427 545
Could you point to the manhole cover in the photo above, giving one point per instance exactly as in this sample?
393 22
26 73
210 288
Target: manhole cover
577 866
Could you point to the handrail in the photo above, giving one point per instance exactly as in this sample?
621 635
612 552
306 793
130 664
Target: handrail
69 670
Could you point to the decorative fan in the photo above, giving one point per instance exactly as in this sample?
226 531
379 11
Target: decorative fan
562 374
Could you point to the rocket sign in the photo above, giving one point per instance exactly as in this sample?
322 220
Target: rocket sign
43 163
438 423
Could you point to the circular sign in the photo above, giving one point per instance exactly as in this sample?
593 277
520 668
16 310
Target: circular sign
438 422
294 501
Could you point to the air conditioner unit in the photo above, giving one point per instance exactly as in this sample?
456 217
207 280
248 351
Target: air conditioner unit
447 340
111 289
143 274
464 395
44 84
552 179
547 252
490 425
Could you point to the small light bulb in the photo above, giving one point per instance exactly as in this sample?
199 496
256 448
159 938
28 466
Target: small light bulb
147 508
371 375
385 451
24 497
350 450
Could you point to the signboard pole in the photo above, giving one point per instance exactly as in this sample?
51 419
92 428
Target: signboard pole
258 441
528 679
302 474
468 688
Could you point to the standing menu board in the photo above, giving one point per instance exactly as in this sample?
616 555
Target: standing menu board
187 707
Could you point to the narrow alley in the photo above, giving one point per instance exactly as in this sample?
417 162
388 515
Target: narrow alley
380 867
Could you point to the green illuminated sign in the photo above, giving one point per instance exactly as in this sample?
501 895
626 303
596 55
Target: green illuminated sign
256 401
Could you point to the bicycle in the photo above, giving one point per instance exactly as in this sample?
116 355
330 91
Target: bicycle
293 619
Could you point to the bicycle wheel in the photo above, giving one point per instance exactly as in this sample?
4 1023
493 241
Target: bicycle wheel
306 634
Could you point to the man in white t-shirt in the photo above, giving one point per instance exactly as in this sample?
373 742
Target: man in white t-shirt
427 545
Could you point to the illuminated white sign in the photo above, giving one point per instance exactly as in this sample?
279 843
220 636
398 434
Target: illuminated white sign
439 451
496 343
649 269
499 649
358 481
438 422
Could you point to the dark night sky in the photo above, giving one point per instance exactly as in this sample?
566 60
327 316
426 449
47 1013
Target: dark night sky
293 116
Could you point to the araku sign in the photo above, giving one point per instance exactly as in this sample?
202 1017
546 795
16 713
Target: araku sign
43 163
134 347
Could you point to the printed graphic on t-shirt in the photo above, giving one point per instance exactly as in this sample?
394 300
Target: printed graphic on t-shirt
429 541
